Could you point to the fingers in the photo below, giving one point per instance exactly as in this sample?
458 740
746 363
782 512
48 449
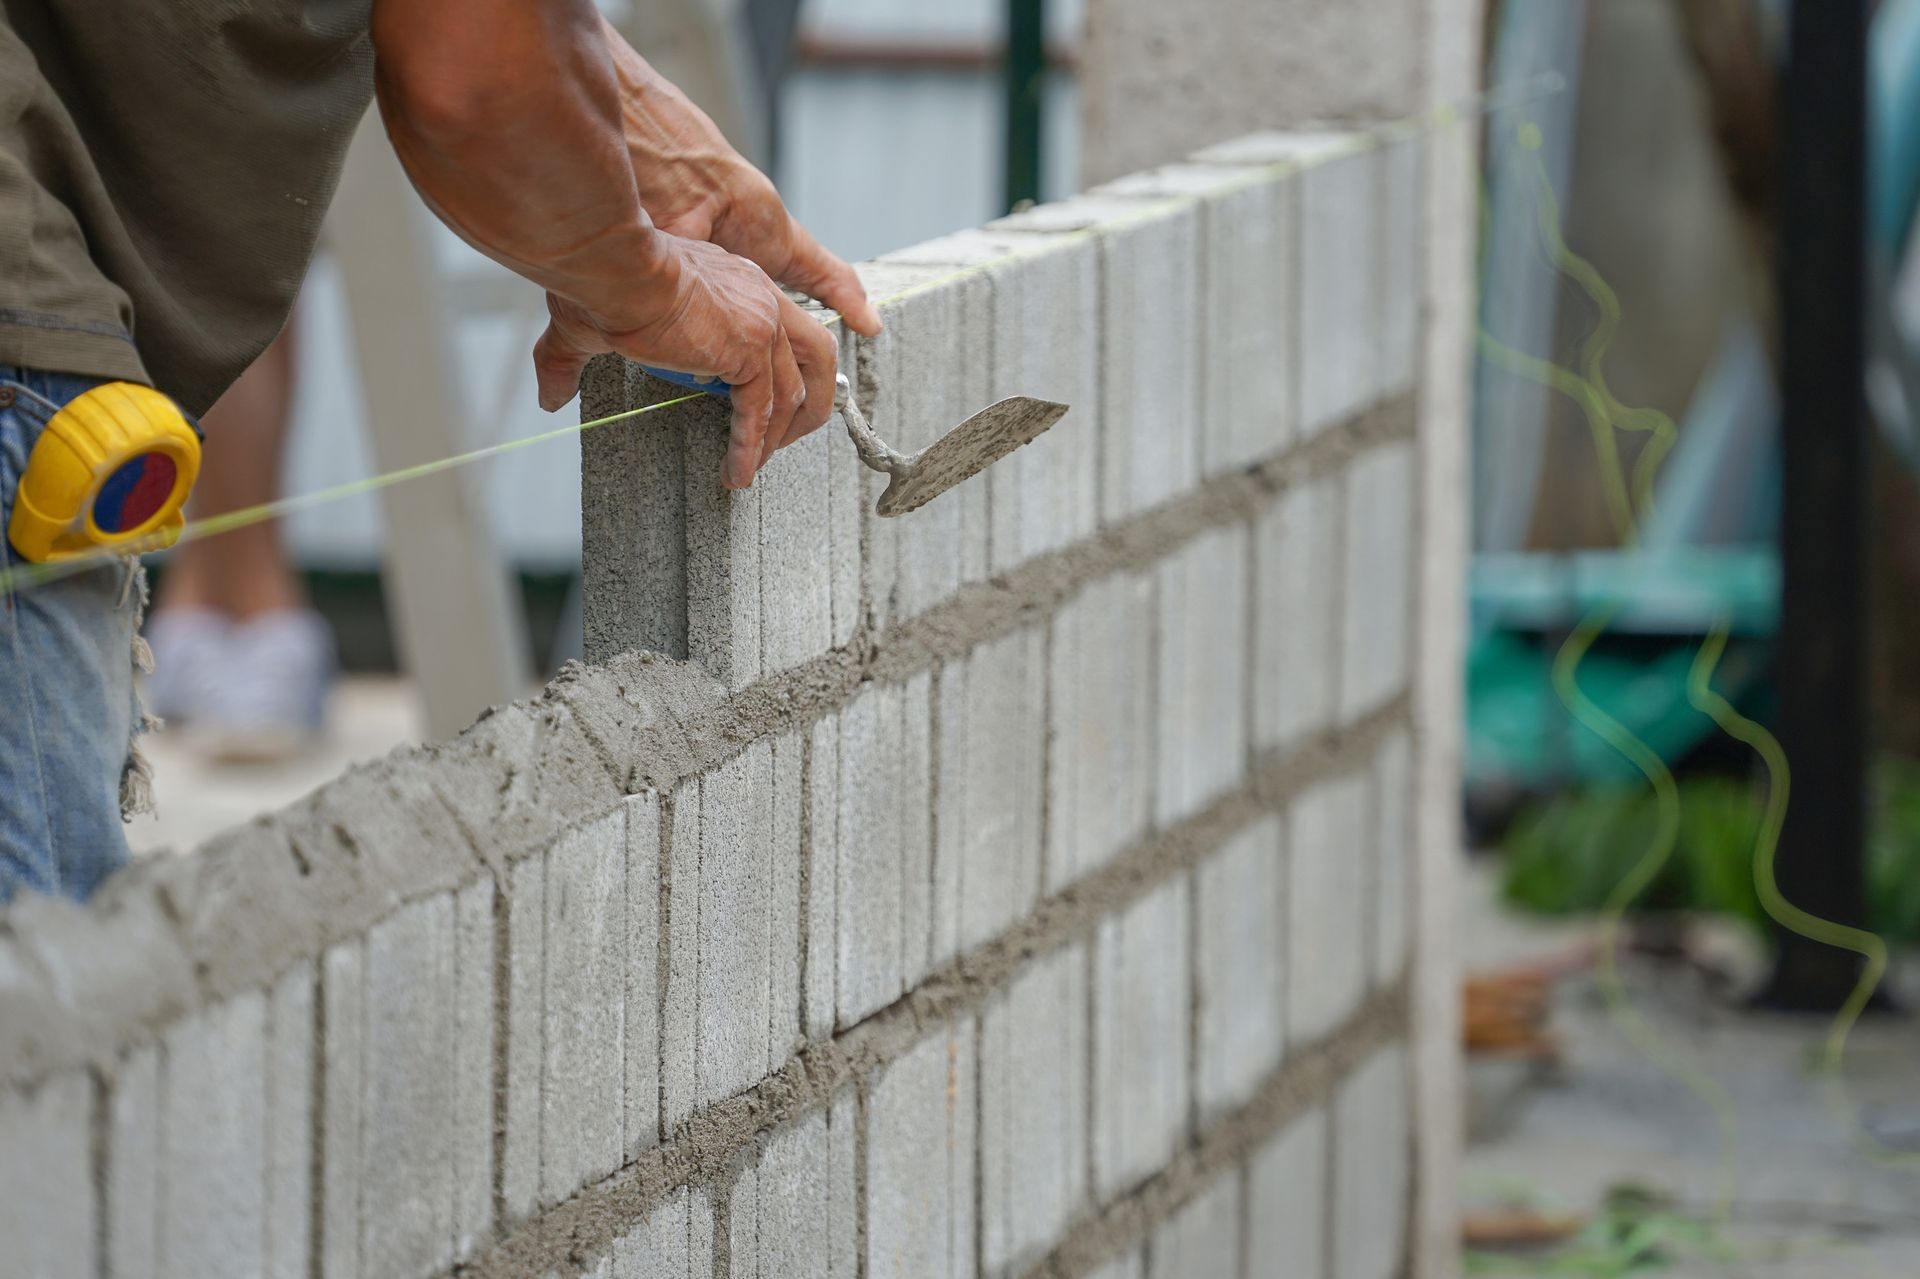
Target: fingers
820 275
816 351
789 394
753 408
558 359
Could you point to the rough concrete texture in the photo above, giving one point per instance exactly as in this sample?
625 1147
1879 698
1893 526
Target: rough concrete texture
1287 1200
47 1208
1402 171
785 927
1100 708
213 1086
582 1082
724 572
868 875
781 1214
1372 1157
920 1161
342 1065
1140 1038
675 1241
1249 325
1046 343
633 514
406 1109
1239 968
640 1027
992 766
524 1030
1033 1111
289 1119
843 1186
641 712
796 551
1327 877
1295 620
1376 640
475 964
1220 67
1393 890
131 1186
1202 1240
822 875
735 923
1340 289
680 922
1202 700
916 829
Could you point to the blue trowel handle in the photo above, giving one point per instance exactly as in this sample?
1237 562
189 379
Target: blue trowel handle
711 385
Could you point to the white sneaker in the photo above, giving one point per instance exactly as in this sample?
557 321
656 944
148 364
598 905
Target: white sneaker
189 660
270 699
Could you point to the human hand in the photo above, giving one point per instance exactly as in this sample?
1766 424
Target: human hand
709 312
694 184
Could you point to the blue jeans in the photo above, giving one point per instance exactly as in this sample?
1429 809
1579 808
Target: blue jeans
69 710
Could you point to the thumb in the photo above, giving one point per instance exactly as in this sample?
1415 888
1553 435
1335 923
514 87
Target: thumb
824 277
557 363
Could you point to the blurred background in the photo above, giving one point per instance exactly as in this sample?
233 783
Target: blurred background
1665 231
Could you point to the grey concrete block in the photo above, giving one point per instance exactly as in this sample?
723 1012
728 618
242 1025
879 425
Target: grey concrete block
992 776
796 552
474 965
1202 711
735 922
1150 402
633 513
1240 972
1100 746
132 1172
1376 639
640 1030
1395 870
1326 907
846 489
406 1155
949 809
1287 1200
868 929
639 709
785 954
1202 1239
1140 1038
916 828
674 1242
1339 289
1249 322
213 1097
781 1217
289 1122
843 1186
1284 150
343 1000
1372 1165
519 777
1046 343
920 1160
48 1212
1033 1109
920 378
1130 1265
680 1011
1296 620
723 555
823 866
1402 215
524 1028
583 1084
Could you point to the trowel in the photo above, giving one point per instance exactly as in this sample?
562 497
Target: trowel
955 457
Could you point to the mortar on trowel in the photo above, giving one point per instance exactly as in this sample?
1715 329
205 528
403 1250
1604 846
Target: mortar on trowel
954 458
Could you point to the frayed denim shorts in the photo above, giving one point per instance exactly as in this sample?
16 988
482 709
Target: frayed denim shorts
70 770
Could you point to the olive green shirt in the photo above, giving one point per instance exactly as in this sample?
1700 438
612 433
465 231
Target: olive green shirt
164 168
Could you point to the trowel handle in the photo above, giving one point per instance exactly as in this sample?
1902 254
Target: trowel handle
692 381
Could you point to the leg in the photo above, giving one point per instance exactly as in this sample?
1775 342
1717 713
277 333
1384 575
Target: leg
66 679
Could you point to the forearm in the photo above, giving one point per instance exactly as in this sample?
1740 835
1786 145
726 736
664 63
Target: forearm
507 117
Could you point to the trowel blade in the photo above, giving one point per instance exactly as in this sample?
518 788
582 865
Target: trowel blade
967 450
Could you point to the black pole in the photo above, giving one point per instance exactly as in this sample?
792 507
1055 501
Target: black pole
1025 84
1822 655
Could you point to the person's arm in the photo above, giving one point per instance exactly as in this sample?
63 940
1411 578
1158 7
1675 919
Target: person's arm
507 117
694 184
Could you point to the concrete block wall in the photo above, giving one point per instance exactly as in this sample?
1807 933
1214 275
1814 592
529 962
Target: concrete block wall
1025 887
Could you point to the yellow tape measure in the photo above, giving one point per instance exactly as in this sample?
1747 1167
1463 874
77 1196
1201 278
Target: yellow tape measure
112 470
